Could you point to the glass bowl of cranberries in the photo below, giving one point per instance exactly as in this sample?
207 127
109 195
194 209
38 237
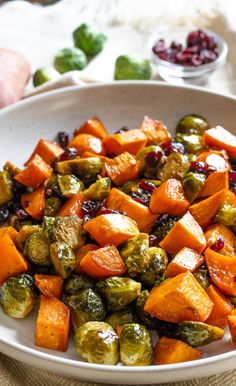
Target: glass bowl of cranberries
188 54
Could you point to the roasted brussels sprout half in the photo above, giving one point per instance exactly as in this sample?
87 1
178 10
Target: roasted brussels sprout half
44 74
158 261
70 59
227 215
6 187
87 169
128 68
76 283
48 224
135 345
176 166
135 253
192 184
99 190
86 306
52 206
201 277
149 160
198 334
118 291
62 258
192 142
70 230
69 185
17 297
88 40
164 225
97 342
147 320
37 249
121 317
24 233
192 124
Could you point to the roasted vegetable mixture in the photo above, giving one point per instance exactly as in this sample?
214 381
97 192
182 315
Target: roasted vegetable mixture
127 239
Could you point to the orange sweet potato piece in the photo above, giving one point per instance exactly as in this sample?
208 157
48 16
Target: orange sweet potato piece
87 142
80 253
103 262
93 127
221 309
122 168
132 141
215 231
169 198
73 206
47 150
186 260
49 285
118 200
214 158
52 325
36 172
222 138
168 351
185 233
12 261
34 203
88 154
10 231
214 184
155 131
232 324
111 228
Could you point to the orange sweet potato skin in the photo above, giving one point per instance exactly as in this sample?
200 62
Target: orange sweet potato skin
93 127
155 131
214 184
221 309
168 351
131 141
47 150
80 253
35 174
215 231
186 260
122 168
34 203
49 285
10 231
73 206
87 142
219 137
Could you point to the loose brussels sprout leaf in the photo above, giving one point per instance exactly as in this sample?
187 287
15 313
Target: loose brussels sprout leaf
192 143
135 254
121 317
118 291
226 215
76 283
192 124
37 249
89 40
53 205
44 74
24 233
99 190
86 306
158 261
70 59
176 166
17 297
87 169
48 224
147 165
198 334
130 186
69 185
63 258
135 345
164 227
201 276
97 342
70 230
192 184
6 187
127 68
148 320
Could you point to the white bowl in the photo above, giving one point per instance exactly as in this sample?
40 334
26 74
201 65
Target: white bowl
117 104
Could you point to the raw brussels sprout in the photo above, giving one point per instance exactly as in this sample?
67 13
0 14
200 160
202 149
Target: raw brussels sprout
192 124
24 233
158 261
70 230
17 297
37 249
70 59
201 277
52 206
198 334
164 226
76 283
48 224
147 320
226 215
86 306
192 184
147 166
69 185
118 291
135 345
88 40
45 74
176 166
63 258
99 190
135 254
130 68
97 342
6 187
121 317
192 142
87 169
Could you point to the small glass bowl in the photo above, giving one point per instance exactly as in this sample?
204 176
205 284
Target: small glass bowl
172 72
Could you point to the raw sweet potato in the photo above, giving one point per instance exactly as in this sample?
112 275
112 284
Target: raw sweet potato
132 141
179 298
154 130
10 231
47 150
93 127
168 351
221 138
232 325
185 233
80 253
118 200
214 158
52 325
111 229
186 260
169 198
214 184
73 206
34 203
221 309
87 142
36 172
122 168
215 231
49 285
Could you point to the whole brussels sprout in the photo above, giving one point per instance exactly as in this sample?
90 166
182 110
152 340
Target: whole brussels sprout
135 253
70 230
176 166
118 291
149 160
135 345
69 185
198 334
24 233
99 190
97 342
53 204
192 184
158 261
201 276
37 249
192 142
226 215
70 59
44 74
87 169
17 297
62 258
147 320
192 124
86 306
48 224
6 187
121 317
76 283
127 68
88 40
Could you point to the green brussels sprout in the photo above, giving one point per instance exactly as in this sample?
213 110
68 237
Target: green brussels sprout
69 185
192 184
70 59
158 261
11 169
52 206
176 166
164 227
17 297
97 342
226 214
87 169
201 276
24 233
148 168
192 142
121 317
62 258
70 230
37 249
135 345
99 190
76 283
118 291
44 74
192 124
128 68
48 224
88 40
6 187
135 254
130 186
86 306
147 320
198 334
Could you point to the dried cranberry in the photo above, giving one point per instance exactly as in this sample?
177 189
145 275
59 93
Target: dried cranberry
70 153
153 241
147 185
182 58
176 46
193 39
86 218
142 196
196 60
91 208
201 167
4 214
218 245
153 158
192 50
63 139
22 214
125 128
159 47
232 176
208 56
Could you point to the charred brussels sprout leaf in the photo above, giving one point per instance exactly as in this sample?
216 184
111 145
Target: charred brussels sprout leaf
89 40
226 215
97 342
63 258
37 249
87 169
53 205
17 297
48 223
201 276
69 185
192 124
24 233
44 74
135 345
6 187
192 184
135 254
99 190
176 166
148 320
158 261
192 142
69 59
121 317
129 68
70 230
198 334
76 283
149 160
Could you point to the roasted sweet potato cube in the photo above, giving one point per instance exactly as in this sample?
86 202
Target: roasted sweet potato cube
186 260
122 168
221 309
214 184
34 203
36 172
80 253
47 150
168 351
49 285
10 232
155 131
132 141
